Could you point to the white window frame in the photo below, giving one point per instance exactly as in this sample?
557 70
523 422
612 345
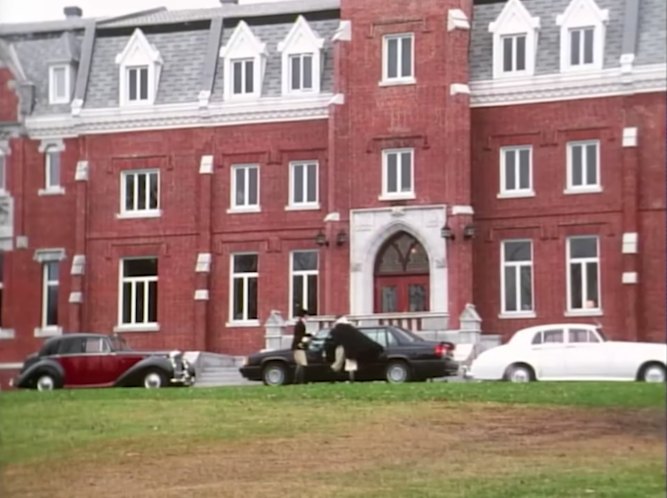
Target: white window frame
136 212
514 20
138 53
303 274
139 99
3 172
585 187
245 277
46 285
514 53
386 195
305 204
506 192
583 262
581 50
577 15
54 98
133 324
399 79
244 76
301 88
243 208
517 265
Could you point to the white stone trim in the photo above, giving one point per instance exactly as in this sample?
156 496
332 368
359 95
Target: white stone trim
370 228
57 144
76 297
138 52
78 265
630 277
334 216
21 241
51 191
10 366
582 14
568 86
81 174
630 137
7 334
630 243
203 98
457 19
338 99
456 88
462 209
343 32
203 262
514 19
201 295
133 327
626 61
206 165
51 254
48 331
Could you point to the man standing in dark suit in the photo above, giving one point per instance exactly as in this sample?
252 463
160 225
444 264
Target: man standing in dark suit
300 342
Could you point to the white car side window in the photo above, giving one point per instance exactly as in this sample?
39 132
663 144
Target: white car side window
582 335
554 336
537 339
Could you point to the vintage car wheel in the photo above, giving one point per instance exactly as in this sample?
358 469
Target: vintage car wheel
519 373
45 382
274 374
397 372
154 379
652 373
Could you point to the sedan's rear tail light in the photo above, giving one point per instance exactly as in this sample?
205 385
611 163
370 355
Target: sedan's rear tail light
444 349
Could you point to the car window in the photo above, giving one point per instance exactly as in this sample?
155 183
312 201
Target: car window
71 345
119 344
49 348
553 336
537 338
377 335
404 335
96 345
581 335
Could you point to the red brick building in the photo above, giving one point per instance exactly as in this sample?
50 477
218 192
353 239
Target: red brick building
177 176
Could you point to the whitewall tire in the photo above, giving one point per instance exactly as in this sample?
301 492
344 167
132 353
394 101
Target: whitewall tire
653 373
45 382
519 374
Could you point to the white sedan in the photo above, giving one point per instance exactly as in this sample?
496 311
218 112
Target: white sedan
570 351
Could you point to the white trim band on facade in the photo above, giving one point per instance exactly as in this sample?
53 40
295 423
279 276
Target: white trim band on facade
568 86
206 165
203 262
460 209
630 137
78 264
630 243
137 327
7 334
457 19
48 331
81 174
456 88
10 366
630 277
45 255
76 297
201 295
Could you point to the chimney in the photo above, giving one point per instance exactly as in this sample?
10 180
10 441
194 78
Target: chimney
73 12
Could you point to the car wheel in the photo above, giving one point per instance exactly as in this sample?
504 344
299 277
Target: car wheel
274 374
520 373
45 382
652 373
154 379
397 372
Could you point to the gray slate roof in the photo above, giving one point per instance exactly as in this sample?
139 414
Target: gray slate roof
651 48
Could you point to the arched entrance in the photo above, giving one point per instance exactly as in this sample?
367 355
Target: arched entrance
401 276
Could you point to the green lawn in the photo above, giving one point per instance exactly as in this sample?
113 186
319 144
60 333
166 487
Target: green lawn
421 440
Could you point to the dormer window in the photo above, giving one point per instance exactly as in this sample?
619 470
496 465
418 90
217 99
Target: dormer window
301 59
137 84
140 66
59 84
515 34
582 35
244 61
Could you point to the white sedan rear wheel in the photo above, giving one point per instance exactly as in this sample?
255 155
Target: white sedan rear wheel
654 373
519 373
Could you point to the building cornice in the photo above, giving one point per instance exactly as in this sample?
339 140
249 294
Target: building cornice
568 86
190 115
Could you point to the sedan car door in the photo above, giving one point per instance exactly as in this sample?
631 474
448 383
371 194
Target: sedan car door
586 356
548 353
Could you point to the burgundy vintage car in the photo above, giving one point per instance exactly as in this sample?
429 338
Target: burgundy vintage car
97 360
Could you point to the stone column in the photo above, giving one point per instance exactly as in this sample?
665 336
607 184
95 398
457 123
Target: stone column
275 327
203 339
78 269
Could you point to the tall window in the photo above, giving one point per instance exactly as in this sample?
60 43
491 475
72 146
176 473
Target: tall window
140 192
137 81
516 170
581 46
303 184
138 295
517 276
52 168
3 171
245 187
583 166
244 287
398 58
59 83
514 53
304 281
50 294
243 76
583 277
301 72
397 173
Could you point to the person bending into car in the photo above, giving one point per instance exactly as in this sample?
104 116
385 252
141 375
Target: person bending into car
350 347
300 342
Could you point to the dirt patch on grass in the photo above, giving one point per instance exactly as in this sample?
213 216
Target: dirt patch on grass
430 438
